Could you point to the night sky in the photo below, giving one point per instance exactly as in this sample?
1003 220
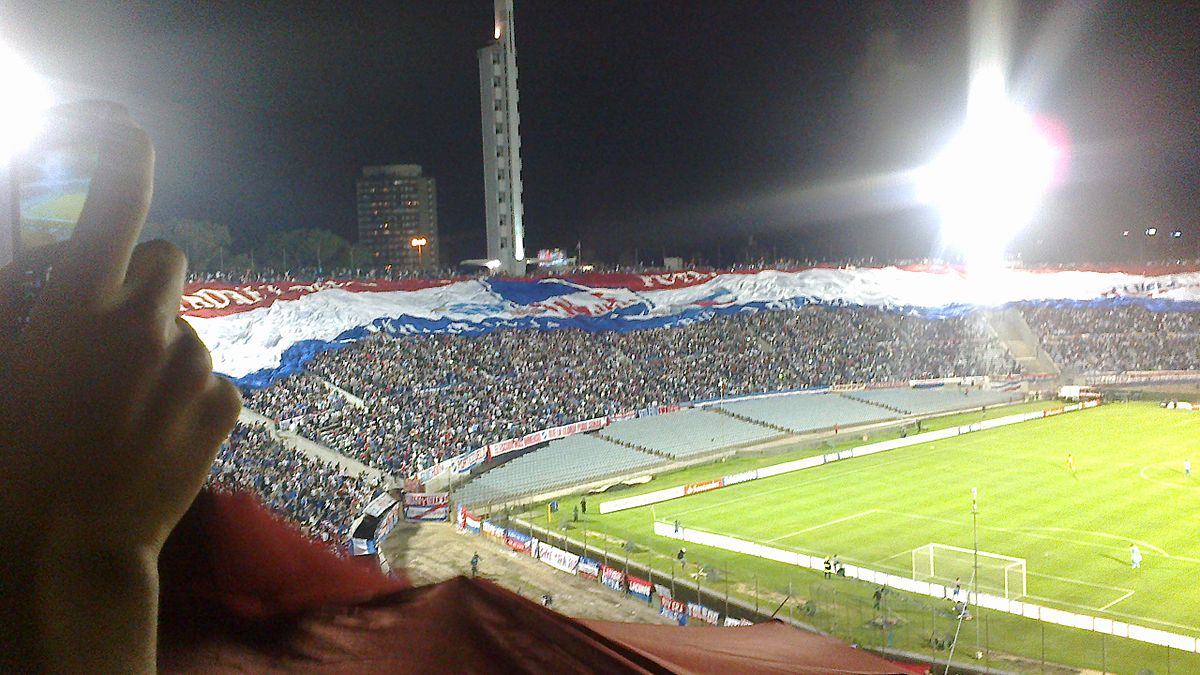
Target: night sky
676 127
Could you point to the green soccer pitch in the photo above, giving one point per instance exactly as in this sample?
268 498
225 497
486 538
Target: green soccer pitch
1073 529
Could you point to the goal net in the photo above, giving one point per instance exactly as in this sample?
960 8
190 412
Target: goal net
1001 575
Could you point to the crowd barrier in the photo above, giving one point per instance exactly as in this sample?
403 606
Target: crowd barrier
817 460
1026 609
618 579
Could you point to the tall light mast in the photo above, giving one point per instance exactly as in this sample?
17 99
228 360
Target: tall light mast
502 144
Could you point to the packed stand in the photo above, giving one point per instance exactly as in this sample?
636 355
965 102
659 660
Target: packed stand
317 496
428 398
1116 339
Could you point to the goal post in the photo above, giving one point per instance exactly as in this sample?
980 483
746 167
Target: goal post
1001 575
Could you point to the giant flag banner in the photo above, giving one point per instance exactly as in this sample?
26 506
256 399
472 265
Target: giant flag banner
260 332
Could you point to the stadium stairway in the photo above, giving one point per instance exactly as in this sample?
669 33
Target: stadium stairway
749 420
878 404
1020 340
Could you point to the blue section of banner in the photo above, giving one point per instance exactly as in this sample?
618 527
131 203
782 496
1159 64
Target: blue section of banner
523 292
623 320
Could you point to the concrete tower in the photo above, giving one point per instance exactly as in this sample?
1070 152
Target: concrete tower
502 145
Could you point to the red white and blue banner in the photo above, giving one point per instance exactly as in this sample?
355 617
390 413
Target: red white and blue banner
612 577
493 530
260 332
640 588
589 568
466 521
426 506
675 610
520 542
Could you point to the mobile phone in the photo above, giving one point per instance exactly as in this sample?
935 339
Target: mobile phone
51 184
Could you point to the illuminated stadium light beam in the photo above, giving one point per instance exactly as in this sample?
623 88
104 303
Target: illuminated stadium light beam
26 97
988 182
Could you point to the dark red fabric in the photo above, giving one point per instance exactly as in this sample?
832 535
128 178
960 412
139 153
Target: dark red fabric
243 592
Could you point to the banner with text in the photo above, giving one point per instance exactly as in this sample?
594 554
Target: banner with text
426 506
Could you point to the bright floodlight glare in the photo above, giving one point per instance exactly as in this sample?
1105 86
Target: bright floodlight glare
989 181
26 96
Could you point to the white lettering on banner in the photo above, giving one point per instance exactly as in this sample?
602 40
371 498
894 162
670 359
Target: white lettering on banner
1017 607
558 558
809 462
703 613
612 577
513 444
675 278
741 477
639 587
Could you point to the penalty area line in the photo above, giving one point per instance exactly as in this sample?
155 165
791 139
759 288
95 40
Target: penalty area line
1123 597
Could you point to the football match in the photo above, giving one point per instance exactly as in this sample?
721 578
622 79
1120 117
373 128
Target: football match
1061 503
858 337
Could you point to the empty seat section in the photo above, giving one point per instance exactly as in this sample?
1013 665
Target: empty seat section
688 432
569 461
808 412
939 399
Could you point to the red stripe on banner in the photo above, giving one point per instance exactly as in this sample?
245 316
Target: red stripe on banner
208 299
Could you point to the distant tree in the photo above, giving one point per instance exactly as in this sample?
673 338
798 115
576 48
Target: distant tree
205 243
359 257
290 249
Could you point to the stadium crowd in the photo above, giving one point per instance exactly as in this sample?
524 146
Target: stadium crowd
427 398
1116 339
317 496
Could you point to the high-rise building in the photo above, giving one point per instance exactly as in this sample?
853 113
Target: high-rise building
502 145
397 216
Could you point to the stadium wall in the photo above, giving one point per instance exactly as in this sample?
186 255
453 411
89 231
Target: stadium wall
1029 610
817 460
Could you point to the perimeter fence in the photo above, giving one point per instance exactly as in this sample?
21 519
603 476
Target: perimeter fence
873 616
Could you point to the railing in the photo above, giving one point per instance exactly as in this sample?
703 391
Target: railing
895 623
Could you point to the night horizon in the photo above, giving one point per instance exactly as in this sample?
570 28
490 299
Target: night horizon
663 128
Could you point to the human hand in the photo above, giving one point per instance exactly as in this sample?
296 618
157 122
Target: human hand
110 418
109 413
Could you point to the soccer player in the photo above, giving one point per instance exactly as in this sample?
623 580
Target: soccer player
1187 468
1070 464
1135 556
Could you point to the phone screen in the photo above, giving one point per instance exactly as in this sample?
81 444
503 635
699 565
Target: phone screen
52 185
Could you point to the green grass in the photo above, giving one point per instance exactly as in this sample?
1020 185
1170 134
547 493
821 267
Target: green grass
1073 530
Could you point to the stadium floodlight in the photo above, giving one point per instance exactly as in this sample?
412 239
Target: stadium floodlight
989 180
26 96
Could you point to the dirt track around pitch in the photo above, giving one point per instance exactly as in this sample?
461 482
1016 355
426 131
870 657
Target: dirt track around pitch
433 552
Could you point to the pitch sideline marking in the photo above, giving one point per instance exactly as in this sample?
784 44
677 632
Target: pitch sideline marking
817 527
1105 608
